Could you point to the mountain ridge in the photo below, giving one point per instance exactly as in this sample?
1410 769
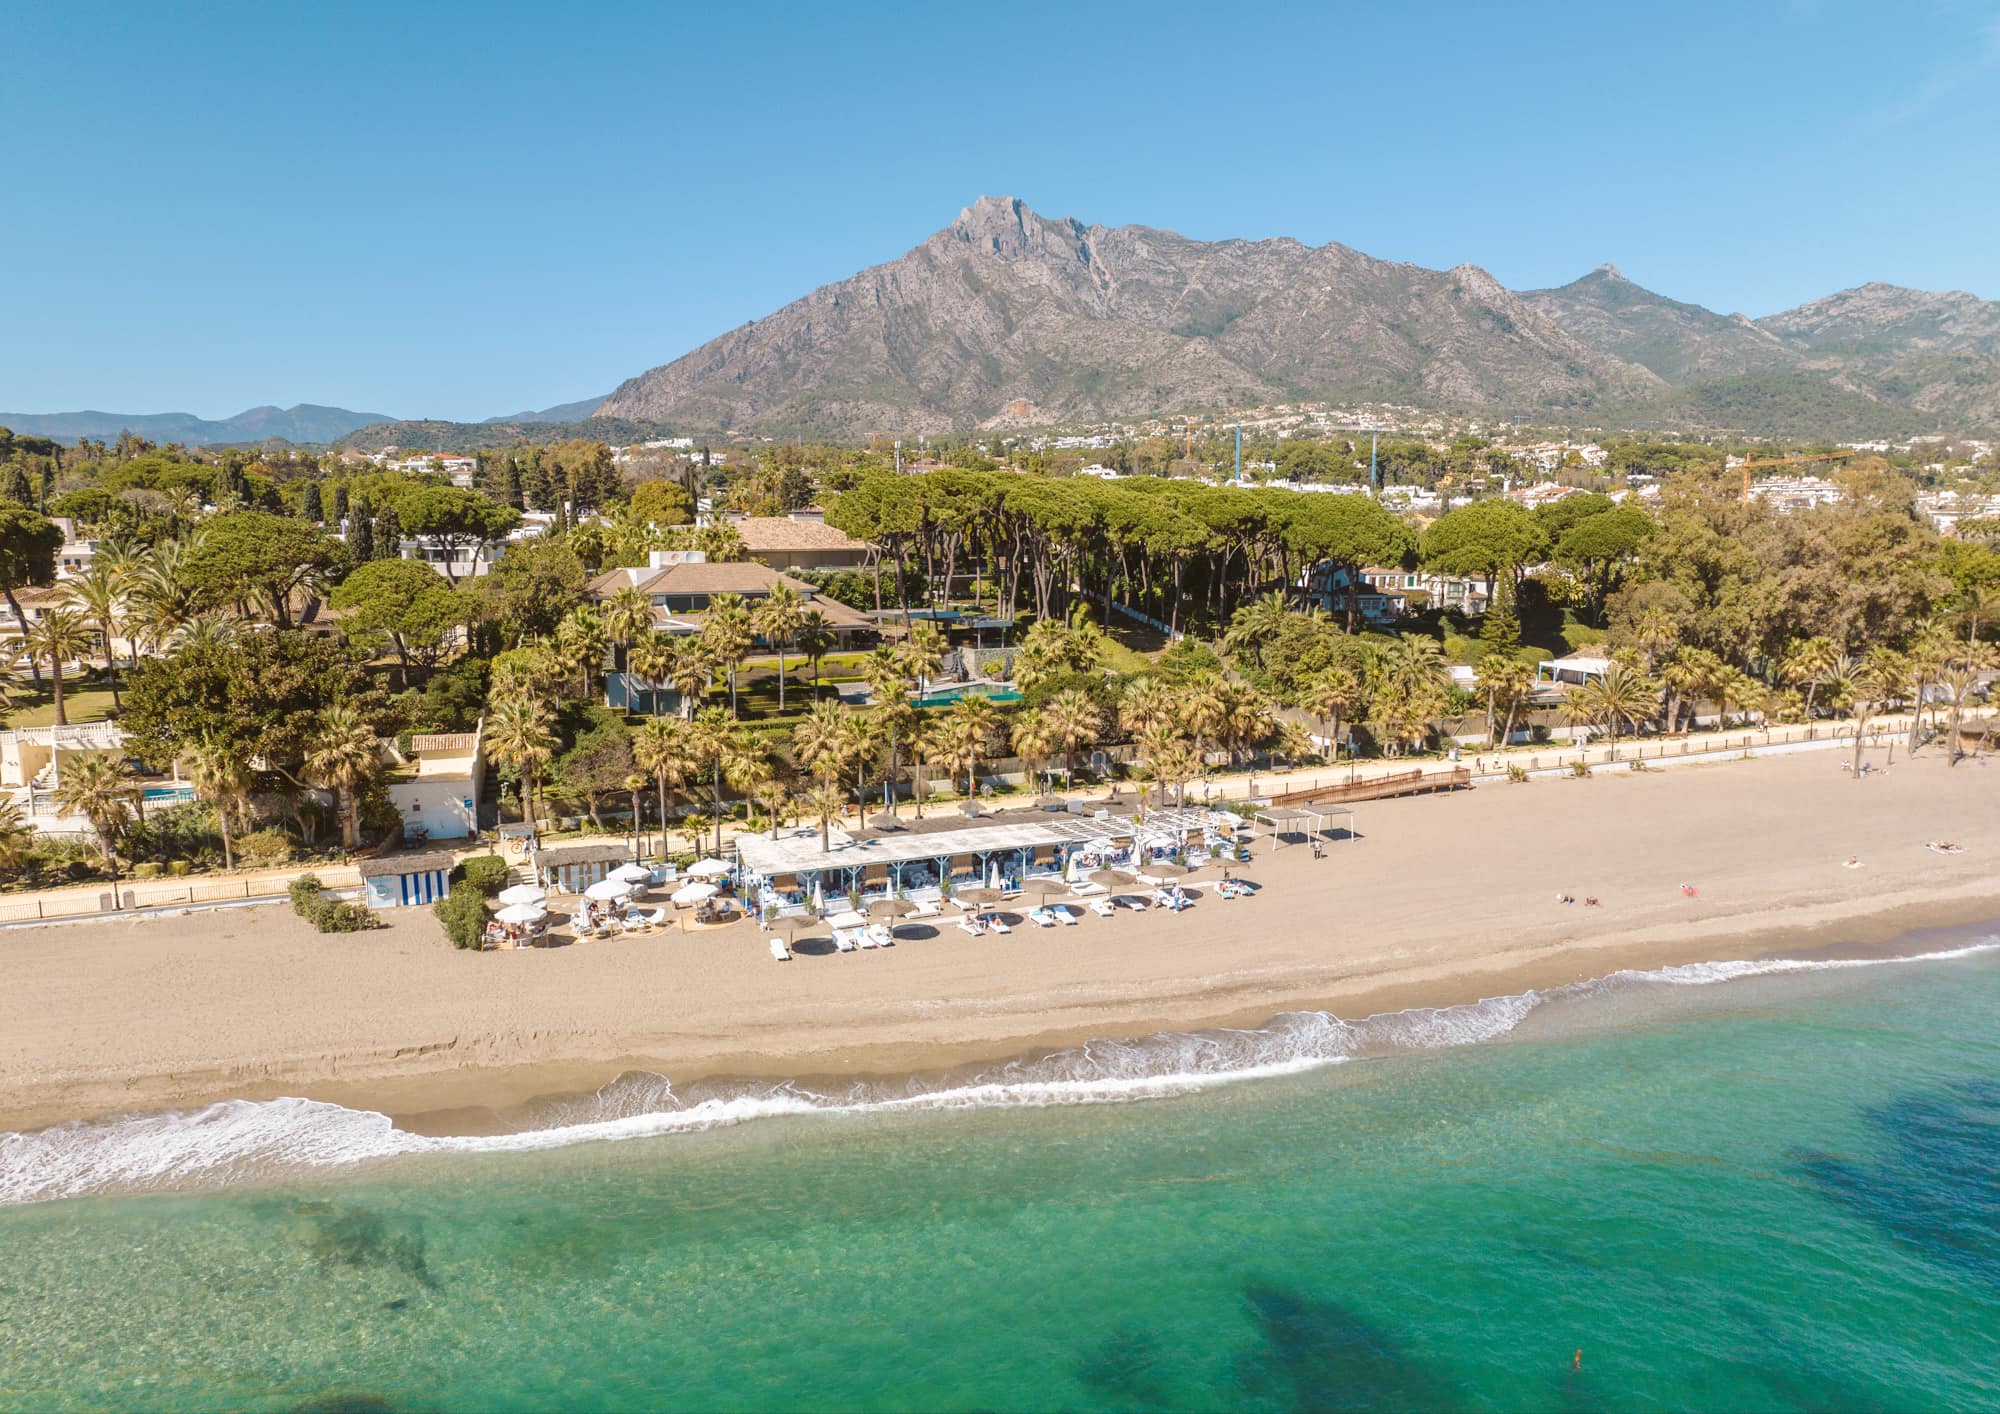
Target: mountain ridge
1007 316
301 423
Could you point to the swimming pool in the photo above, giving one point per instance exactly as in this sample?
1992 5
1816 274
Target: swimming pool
945 696
169 795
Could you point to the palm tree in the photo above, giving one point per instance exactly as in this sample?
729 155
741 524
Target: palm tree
1253 627
627 617
885 670
16 839
581 643
649 660
725 632
1729 686
1032 740
634 783
1331 695
1145 703
825 800
694 825
1621 696
95 786
689 669
220 777
815 638
716 748
1508 682
202 631
660 749
922 650
160 597
343 756
1866 688
98 594
776 619
926 746
61 635
1685 677
518 736
1959 680
1073 720
819 738
860 739
970 723
1805 663
1982 605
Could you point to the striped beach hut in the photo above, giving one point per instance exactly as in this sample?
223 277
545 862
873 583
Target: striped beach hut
405 880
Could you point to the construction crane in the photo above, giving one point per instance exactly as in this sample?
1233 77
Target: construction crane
1801 459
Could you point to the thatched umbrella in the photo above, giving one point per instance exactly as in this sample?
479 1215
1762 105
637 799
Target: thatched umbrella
1111 878
1168 871
978 896
1043 888
891 908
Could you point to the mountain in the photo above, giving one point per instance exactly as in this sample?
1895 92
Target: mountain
305 423
561 412
1006 314
1680 342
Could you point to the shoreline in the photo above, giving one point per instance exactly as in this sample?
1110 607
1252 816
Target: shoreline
145 1016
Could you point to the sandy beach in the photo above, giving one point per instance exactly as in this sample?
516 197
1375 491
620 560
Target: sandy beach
1440 900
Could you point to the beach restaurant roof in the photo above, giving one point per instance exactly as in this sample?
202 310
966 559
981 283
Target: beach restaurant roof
797 851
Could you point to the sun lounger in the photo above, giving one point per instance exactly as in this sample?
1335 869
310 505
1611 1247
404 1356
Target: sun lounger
780 951
880 934
1103 907
926 908
1088 889
864 938
1065 915
843 940
996 924
969 925
1132 901
1042 917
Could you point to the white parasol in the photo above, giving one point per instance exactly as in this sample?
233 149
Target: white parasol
523 893
522 913
608 891
694 893
708 869
633 873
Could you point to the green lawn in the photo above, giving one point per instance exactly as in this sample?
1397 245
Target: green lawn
82 702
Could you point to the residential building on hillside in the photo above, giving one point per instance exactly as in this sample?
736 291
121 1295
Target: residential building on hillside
802 542
1465 593
436 788
1336 589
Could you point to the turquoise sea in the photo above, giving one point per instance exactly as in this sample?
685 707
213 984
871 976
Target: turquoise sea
1728 1187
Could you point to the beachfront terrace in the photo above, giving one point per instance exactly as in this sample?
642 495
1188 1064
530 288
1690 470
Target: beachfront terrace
790 871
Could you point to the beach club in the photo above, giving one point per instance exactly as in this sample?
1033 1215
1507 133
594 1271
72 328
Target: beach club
791 872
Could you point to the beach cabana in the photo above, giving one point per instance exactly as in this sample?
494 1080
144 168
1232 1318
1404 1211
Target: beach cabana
405 880
574 866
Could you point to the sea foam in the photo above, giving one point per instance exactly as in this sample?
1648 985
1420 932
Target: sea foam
237 1141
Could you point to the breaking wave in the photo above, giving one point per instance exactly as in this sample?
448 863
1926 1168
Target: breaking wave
259 1140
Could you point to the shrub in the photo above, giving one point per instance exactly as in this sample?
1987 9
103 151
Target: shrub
463 914
1579 768
485 872
148 870
325 914
335 917
305 894
1517 774
262 847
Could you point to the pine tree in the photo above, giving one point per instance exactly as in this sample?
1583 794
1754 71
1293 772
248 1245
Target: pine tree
388 533
309 504
1500 632
361 536
14 486
338 507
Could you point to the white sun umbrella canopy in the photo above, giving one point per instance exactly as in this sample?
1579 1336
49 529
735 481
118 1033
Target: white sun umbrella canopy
694 893
708 869
523 893
848 919
608 890
633 873
522 913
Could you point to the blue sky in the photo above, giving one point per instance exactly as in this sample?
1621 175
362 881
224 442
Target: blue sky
431 209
